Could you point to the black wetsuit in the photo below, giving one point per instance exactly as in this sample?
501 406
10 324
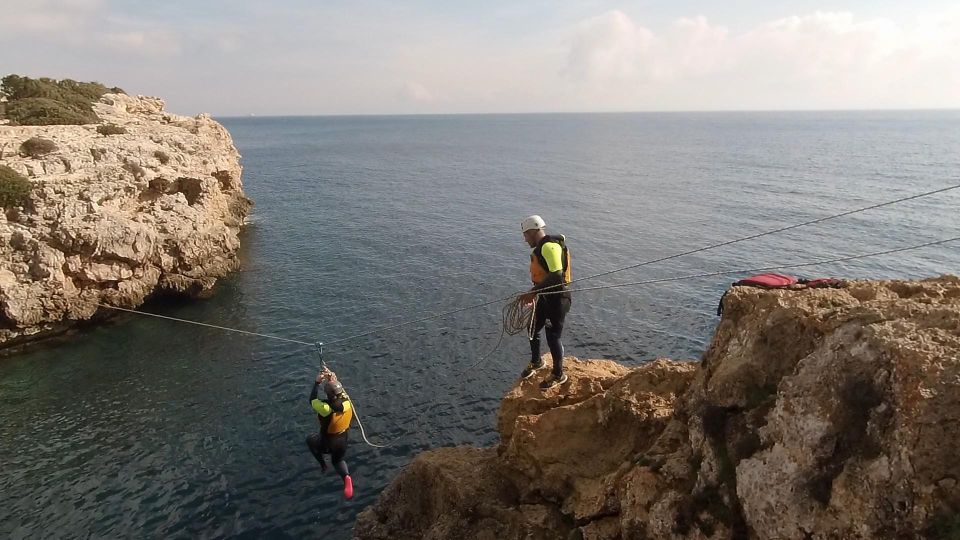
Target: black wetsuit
328 443
550 308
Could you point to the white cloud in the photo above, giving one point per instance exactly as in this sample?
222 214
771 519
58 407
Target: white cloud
385 57
416 92
610 47
816 60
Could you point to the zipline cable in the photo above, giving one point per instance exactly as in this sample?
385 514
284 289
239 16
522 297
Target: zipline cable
226 328
761 269
526 318
516 316
660 259
516 294
529 312
767 233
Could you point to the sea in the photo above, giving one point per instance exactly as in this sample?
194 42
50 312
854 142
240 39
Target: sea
366 230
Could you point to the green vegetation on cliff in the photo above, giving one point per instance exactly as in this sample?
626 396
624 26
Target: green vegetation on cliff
45 101
14 187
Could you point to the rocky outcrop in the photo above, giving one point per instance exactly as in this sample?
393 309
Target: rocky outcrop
115 218
814 414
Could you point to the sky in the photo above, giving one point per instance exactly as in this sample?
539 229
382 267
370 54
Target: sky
310 57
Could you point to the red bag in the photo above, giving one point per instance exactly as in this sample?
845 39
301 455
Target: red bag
768 281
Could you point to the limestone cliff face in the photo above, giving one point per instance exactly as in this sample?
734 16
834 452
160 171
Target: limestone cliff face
114 218
814 414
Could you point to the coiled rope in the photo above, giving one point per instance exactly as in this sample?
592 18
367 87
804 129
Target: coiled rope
517 316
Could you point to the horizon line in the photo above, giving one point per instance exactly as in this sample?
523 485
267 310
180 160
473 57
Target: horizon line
675 111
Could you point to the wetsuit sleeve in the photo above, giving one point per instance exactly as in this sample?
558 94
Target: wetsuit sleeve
321 407
313 393
553 254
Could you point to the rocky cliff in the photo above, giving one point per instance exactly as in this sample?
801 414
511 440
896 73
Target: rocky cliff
814 414
154 204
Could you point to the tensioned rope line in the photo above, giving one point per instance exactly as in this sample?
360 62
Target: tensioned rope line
773 231
228 329
514 295
363 432
516 314
661 259
519 312
525 318
762 269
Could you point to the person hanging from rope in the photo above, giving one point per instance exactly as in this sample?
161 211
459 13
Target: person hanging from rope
550 273
334 413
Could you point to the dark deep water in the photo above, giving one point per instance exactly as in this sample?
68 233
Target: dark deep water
152 428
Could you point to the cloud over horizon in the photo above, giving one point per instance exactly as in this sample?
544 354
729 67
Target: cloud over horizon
823 59
372 56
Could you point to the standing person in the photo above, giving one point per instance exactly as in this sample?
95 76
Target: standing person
334 413
550 273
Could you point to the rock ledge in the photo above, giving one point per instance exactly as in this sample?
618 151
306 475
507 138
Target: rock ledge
116 218
814 414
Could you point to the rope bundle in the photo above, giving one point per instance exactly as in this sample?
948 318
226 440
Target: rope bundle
517 316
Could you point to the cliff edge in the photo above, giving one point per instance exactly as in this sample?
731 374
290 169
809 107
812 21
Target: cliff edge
814 414
146 202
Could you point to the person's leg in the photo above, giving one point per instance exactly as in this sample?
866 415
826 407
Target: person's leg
540 319
338 449
315 444
554 331
536 362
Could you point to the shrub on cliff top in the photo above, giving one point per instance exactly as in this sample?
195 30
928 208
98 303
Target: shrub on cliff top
47 112
35 147
44 101
14 187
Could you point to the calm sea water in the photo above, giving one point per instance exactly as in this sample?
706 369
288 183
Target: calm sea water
152 428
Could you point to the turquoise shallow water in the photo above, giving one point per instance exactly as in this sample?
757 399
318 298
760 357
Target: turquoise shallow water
146 427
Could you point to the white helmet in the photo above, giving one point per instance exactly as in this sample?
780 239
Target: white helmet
532 222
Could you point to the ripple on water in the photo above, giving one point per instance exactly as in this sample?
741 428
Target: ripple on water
149 428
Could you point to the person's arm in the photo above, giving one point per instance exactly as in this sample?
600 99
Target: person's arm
321 407
322 377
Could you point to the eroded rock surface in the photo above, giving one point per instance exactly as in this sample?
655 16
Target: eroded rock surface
115 218
814 414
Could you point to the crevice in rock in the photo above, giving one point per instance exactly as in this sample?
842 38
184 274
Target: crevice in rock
719 500
859 396
191 189
225 179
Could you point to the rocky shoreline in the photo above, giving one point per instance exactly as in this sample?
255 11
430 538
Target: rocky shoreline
814 414
152 205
